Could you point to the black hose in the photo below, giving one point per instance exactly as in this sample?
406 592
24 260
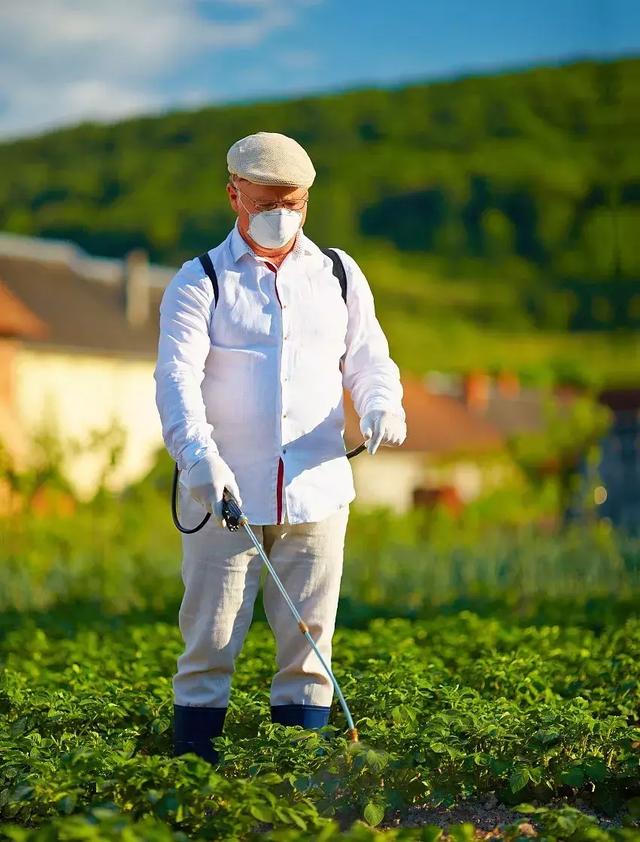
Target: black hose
174 494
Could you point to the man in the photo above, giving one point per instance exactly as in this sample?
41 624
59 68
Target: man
249 381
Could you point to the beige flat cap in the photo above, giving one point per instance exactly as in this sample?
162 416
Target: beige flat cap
271 158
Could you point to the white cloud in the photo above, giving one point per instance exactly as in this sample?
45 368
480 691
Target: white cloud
62 61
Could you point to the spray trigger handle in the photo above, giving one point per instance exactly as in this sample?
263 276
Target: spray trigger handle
231 511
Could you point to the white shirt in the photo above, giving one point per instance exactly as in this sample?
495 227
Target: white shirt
258 377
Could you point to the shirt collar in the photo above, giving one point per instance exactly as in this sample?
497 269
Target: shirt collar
238 246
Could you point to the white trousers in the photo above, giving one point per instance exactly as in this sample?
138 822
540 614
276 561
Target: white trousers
221 574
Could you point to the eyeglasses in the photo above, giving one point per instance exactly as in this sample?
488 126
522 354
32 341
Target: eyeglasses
296 205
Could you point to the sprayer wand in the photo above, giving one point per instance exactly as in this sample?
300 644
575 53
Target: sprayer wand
234 518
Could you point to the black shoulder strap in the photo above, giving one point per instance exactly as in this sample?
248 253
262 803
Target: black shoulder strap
338 271
207 265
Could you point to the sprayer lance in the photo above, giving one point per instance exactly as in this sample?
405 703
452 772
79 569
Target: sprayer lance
234 519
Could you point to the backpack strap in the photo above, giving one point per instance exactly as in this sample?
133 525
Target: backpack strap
338 271
207 265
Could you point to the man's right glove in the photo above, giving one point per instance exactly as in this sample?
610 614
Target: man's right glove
206 480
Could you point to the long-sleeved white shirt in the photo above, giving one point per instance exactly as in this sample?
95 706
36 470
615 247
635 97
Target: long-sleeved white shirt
259 377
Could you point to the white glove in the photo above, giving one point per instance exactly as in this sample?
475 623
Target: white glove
382 427
206 480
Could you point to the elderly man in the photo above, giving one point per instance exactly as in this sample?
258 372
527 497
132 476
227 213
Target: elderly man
258 336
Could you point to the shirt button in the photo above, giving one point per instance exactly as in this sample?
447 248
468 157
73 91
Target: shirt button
284 414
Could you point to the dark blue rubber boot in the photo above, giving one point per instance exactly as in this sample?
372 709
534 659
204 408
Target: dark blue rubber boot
193 729
309 716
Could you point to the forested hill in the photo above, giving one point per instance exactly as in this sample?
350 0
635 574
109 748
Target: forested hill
522 168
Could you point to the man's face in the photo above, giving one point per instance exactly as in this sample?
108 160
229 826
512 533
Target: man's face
246 197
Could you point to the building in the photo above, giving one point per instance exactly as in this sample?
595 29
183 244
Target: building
439 461
78 339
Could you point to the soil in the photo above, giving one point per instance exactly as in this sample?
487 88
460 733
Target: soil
487 815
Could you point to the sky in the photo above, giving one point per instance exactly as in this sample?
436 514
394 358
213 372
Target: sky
65 61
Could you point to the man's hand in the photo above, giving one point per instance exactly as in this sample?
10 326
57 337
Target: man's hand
206 480
382 428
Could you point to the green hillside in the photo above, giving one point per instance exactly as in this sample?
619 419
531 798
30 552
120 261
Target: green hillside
506 203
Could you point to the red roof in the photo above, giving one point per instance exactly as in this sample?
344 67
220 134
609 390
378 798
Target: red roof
435 423
16 319
79 312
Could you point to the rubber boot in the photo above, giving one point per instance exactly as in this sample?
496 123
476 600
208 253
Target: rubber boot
309 716
193 729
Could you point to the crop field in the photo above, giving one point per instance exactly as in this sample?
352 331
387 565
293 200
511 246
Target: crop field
495 681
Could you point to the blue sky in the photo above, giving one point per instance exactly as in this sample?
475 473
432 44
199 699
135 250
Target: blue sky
62 61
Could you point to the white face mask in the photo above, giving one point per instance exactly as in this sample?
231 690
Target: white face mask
272 229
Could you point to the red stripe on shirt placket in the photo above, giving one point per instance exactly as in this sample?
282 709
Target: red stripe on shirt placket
280 477
279 490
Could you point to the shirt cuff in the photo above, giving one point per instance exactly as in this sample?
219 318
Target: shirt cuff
382 405
192 453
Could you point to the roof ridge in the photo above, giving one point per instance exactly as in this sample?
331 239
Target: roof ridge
91 267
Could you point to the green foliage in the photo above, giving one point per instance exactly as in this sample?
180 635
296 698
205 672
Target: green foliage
531 697
50 451
475 171
447 708
504 208
566 435
569 823
106 553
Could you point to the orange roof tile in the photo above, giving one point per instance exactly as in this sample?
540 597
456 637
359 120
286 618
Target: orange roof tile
80 312
435 423
16 319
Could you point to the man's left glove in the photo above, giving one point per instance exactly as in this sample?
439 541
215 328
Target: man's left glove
382 427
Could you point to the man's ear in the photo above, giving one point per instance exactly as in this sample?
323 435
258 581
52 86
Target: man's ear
233 196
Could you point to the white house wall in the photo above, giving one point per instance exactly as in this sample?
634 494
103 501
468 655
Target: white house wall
387 478
80 393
